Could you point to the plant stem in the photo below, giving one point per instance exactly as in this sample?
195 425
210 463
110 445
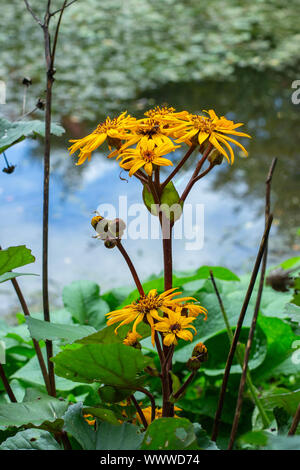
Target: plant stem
184 385
245 371
35 342
139 410
239 355
196 173
131 267
152 401
178 167
295 422
239 327
6 385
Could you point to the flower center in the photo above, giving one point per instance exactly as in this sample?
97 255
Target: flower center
103 127
148 155
145 304
203 124
164 111
175 328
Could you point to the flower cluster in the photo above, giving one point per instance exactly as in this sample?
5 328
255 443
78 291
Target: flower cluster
142 143
171 316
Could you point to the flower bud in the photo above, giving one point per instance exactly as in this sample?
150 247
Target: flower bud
200 352
116 228
110 243
215 157
132 339
193 364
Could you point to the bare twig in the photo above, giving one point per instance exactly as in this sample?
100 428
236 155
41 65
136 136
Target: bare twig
32 13
295 422
255 315
7 387
239 327
60 9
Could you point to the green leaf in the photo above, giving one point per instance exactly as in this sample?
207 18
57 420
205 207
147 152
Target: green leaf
8 276
82 299
170 434
104 414
289 263
31 439
107 436
268 441
110 364
288 401
14 257
108 336
170 205
124 437
110 394
43 410
42 330
13 132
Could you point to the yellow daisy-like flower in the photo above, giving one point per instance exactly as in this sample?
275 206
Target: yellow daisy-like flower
215 130
150 129
166 114
146 309
147 412
175 326
146 156
193 310
112 130
132 338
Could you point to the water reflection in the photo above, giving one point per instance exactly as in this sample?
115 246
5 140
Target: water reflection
232 196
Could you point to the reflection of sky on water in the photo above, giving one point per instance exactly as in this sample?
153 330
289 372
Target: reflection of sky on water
231 229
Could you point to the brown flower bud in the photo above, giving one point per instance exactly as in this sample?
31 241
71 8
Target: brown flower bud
193 363
215 157
200 352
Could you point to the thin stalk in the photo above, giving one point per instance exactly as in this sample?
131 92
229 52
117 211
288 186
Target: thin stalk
139 410
184 385
239 355
35 342
131 268
239 327
6 385
179 166
196 173
152 401
295 422
245 372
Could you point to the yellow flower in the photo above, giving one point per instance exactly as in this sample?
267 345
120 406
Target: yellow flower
149 129
175 326
89 419
146 309
132 338
112 130
194 310
146 156
158 413
166 114
214 130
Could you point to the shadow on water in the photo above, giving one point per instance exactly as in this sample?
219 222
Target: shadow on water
232 195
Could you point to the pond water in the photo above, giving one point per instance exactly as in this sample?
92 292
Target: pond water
233 196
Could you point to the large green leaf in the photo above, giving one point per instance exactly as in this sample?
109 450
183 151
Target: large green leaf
289 401
111 364
170 434
14 257
42 330
108 336
13 132
82 299
107 436
8 276
267 441
42 410
31 439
